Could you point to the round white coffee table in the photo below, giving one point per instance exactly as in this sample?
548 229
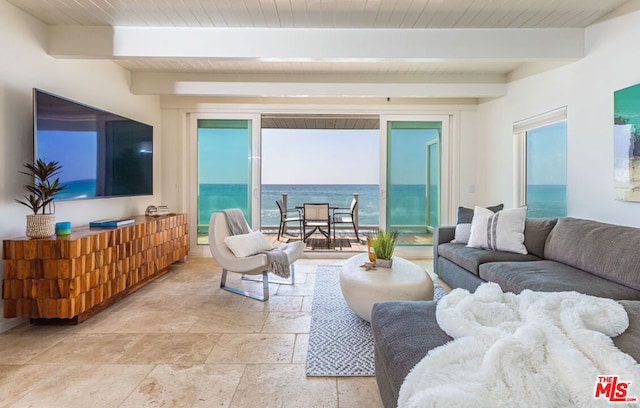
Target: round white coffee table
403 281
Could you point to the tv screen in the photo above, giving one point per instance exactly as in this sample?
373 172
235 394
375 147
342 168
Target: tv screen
102 154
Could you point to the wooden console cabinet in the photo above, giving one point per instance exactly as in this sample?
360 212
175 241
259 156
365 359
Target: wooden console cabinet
70 278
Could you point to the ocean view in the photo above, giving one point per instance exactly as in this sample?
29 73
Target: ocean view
219 196
544 200
335 194
547 200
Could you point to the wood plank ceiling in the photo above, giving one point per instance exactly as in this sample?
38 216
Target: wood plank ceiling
322 13
352 14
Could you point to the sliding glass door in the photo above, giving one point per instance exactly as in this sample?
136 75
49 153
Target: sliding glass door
223 170
432 166
224 162
416 194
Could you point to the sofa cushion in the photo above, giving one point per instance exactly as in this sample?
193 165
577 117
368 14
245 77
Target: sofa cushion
550 276
463 227
609 251
536 231
470 258
455 276
501 231
403 331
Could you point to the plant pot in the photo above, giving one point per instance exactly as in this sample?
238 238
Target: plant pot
41 225
384 263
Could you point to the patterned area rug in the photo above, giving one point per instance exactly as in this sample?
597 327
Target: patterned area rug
340 342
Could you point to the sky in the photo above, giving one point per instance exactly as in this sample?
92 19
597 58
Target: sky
292 156
308 156
547 147
408 155
320 156
312 156
223 156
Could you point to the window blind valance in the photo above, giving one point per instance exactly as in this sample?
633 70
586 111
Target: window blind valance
544 119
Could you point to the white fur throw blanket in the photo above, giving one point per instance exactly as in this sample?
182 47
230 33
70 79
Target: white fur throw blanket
529 350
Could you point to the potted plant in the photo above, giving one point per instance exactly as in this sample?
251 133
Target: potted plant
42 191
384 243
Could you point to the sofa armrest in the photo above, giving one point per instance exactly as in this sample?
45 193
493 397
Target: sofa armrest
441 235
444 234
403 332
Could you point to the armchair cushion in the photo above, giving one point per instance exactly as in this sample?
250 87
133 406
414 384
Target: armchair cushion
247 244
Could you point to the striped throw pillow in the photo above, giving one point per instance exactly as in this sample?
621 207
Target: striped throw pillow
501 231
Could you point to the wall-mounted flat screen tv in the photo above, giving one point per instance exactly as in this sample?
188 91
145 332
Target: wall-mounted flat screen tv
102 154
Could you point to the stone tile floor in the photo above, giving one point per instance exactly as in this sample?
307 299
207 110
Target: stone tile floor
181 342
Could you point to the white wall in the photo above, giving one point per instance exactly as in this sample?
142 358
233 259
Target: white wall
173 166
586 87
466 161
25 65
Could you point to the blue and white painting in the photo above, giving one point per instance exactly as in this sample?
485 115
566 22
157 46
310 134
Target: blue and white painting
626 148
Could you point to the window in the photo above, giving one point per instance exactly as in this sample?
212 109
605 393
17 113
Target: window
542 174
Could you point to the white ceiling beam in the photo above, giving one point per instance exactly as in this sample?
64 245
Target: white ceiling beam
271 44
202 84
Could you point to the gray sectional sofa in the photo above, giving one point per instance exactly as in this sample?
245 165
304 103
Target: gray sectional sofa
564 254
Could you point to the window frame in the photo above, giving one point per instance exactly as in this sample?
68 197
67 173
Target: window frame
520 130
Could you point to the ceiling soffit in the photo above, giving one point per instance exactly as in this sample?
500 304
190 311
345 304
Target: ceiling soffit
320 122
318 62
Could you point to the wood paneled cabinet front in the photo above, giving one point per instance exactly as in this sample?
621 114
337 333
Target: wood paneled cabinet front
72 277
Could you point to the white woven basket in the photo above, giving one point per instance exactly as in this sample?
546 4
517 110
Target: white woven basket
41 225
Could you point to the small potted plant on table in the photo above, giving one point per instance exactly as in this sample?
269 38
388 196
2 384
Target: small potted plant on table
42 191
384 243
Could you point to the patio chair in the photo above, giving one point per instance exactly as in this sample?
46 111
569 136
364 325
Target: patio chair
296 216
341 216
316 217
257 264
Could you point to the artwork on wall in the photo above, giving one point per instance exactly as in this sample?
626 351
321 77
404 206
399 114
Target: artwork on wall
626 148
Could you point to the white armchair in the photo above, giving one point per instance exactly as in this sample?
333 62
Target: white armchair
257 264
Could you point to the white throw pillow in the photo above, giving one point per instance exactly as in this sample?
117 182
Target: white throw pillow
462 233
247 244
501 231
463 226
